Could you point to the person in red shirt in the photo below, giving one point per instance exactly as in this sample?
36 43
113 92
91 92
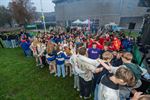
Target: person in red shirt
102 40
116 44
90 43
99 46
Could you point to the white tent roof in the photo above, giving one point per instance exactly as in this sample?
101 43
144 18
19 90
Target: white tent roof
86 22
112 23
77 22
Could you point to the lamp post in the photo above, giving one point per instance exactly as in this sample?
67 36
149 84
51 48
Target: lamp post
43 17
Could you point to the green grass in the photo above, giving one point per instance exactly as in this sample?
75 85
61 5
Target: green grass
20 79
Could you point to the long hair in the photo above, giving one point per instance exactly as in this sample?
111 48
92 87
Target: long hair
50 47
35 42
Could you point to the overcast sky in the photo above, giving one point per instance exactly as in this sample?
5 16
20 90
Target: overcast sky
48 6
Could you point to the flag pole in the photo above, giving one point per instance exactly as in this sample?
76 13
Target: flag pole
43 17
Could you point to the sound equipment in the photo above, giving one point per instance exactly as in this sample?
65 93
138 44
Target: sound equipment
131 26
146 34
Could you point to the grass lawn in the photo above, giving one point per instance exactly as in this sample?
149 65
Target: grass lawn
20 79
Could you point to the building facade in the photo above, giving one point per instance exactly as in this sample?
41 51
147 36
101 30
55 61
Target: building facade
101 12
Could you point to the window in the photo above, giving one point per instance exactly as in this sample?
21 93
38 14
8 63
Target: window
144 3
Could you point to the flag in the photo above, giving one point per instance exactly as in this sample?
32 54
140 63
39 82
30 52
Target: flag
89 23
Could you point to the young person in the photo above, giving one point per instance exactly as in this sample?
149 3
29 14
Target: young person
94 53
51 56
137 72
33 48
60 62
68 66
85 78
1 41
117 60
75 68
109 85
25 45
106 57
40 49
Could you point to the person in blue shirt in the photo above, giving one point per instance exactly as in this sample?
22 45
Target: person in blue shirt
25 45
94 53
127 44
60 62
57 39
51 56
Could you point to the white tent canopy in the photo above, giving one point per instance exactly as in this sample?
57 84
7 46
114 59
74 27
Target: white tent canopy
86 22
112 23
77 22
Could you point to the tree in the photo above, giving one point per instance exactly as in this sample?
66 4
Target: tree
5 16
23 11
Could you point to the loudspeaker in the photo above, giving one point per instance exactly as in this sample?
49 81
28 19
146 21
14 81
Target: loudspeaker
131 26
146 31
146 34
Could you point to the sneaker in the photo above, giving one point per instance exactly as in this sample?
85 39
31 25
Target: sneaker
63 76
87 97
78 89
70 75
42 66
51 72
37 65
81 96
55 75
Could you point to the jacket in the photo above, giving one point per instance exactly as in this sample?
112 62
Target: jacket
107 90
60 58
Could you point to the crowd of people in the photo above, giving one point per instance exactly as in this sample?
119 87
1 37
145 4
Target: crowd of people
9 40
100 63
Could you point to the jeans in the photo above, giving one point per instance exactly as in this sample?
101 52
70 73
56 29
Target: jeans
9 44
122 98
96 92
61 70
5 42
76 81
1 43
85 87
27 53
13 42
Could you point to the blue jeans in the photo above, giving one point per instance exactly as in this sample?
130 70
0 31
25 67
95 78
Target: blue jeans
61 70
13 42
76 81
5 43
9 44
27 53
96 92
123 98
